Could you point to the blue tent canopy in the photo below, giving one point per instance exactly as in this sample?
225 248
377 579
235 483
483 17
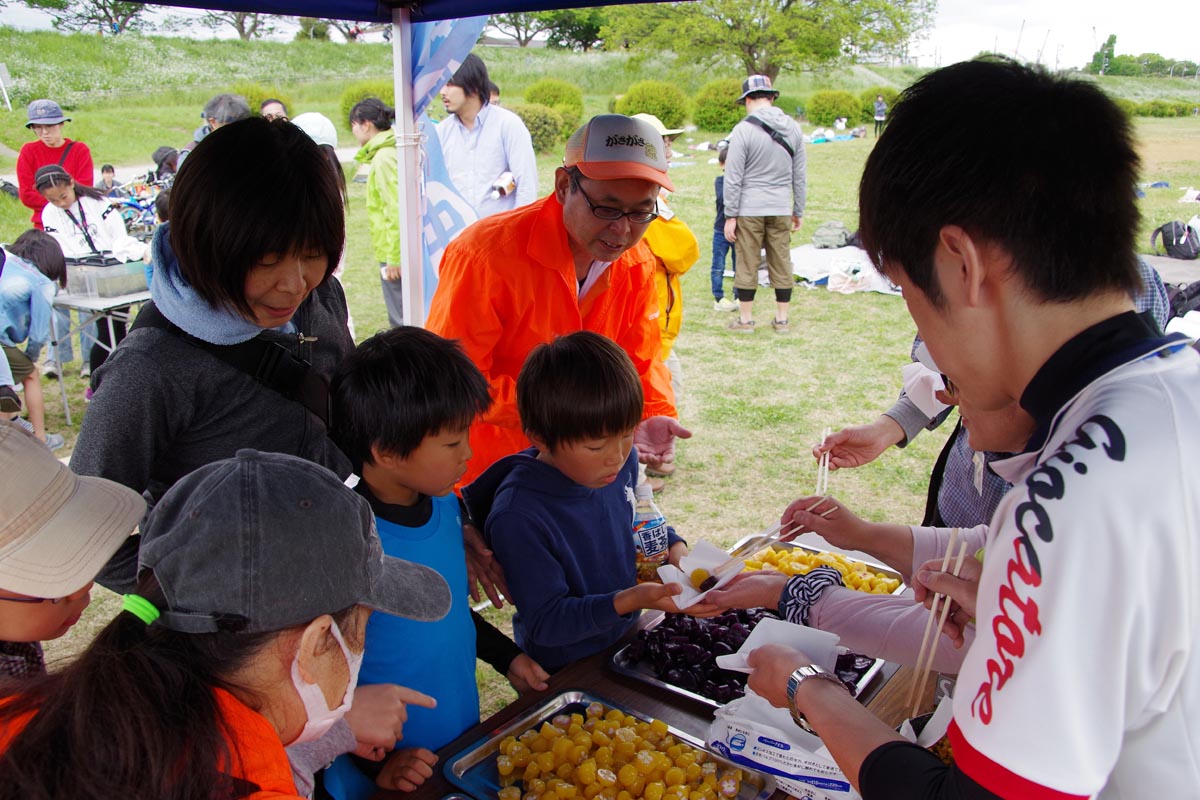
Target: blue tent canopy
377 11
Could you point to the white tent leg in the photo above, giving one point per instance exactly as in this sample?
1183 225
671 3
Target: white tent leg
412 269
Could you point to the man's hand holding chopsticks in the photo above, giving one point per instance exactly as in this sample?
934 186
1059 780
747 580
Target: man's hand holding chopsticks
962 591
858 445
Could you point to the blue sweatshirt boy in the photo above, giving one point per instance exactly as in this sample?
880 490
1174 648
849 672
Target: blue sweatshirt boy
566 551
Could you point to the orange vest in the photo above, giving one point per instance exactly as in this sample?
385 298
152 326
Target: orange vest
507 284
258 755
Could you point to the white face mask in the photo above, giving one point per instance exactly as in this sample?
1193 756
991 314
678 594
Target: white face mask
320 717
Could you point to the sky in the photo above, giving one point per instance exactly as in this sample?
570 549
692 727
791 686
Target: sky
1064 33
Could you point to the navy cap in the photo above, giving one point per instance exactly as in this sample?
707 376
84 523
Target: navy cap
45 112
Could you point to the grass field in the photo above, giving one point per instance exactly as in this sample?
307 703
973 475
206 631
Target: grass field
755 404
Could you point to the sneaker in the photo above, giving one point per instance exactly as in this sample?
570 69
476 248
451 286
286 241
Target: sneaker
25 424
9 402
662 469
88 394
742 327
780 326
725 304
86 370
50 369
55 441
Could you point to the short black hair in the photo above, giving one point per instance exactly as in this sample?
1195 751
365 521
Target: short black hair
270 100
472 78
374 111
579 386
107 168
221 226
162 206
44 252
493 89
400 386
1039 165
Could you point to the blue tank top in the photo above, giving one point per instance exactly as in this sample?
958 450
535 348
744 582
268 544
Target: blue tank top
436 658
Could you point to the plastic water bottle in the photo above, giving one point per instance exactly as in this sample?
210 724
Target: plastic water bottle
649 535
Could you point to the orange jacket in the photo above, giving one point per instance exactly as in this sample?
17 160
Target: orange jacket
507 284
259 757
676 250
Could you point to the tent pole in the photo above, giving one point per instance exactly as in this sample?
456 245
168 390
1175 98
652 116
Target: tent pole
411 262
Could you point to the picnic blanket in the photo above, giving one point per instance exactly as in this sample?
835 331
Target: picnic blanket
840 269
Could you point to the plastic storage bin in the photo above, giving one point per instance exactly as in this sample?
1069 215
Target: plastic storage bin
112 281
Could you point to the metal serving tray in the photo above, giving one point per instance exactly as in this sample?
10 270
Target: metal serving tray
473 769
888 571
621 661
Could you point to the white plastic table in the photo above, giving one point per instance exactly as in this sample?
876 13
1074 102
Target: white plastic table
92 309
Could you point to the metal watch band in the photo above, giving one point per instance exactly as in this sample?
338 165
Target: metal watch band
799 676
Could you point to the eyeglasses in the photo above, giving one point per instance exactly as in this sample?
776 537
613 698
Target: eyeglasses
951 389
610 213
51 600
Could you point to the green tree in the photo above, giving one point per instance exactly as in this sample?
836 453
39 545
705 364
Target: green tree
574 29
769 36
1101 57
521 26
248 26
108 16
313 28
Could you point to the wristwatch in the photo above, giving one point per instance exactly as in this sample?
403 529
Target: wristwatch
800 676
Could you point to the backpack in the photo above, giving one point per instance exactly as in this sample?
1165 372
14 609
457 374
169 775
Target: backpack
1179 240
1183 298
830 234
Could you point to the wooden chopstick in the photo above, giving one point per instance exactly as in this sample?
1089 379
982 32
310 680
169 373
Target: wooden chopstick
912 689
945 611
823 466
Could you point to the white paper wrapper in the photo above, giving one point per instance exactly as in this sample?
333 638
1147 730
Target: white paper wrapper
820 646
934 729
703 556
921 385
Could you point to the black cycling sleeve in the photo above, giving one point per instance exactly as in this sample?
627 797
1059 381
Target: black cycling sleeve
492 646
905 771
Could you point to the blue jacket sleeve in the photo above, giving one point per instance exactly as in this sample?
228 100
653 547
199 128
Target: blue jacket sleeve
41 308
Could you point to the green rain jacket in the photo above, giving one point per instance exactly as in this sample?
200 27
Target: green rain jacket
383 204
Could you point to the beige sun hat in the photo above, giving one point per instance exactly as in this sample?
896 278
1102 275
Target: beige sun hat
657 124
57 529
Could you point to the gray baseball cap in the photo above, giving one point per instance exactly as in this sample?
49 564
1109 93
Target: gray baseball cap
45 112
264 541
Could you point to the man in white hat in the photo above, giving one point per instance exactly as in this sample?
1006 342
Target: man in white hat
571 261
765 189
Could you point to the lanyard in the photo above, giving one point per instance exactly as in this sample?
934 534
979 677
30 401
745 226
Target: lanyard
83 227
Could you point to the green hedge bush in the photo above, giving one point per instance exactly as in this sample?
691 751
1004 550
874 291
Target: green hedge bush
664 100
1165 108
385 90
565 98
715 107
544 123
825 107
1128 106
256 93
867 98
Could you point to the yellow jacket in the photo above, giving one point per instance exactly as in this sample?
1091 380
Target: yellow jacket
675 250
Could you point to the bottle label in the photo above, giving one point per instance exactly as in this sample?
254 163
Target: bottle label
651 539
